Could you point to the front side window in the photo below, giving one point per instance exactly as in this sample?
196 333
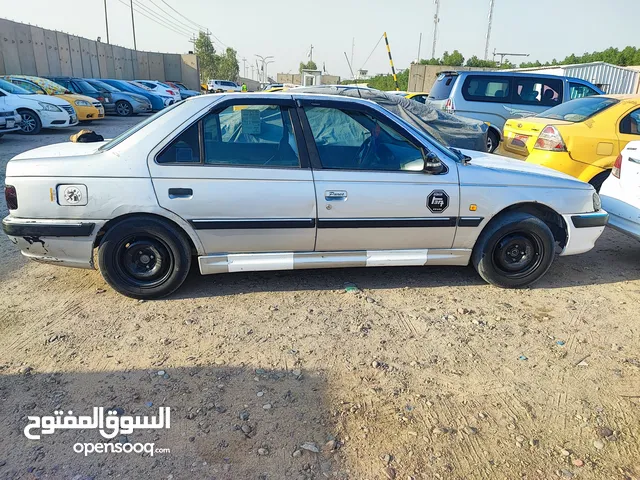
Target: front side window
631 123
536 91
479 88
578 90
353 140
250 136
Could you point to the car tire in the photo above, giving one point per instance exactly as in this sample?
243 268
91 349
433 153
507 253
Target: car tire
144 258
124 108
597 181
493 140
514 250
31 124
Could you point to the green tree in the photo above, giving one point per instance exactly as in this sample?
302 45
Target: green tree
478 63
454 59
227 67
207 57
433 61
310 65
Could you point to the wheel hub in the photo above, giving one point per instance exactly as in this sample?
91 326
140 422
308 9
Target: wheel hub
144 261
517 255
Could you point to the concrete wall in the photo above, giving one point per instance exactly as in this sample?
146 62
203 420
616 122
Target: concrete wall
422 77
296 79
30 50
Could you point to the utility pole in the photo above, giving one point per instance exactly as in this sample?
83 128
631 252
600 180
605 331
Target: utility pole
244 67
264 65
311 53
353 46
106 19
419 47
504 54
486 47
436 20
133 25
252 70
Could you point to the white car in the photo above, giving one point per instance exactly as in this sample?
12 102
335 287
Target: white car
271 181
162 89
9 120
220 86
37 111
620 192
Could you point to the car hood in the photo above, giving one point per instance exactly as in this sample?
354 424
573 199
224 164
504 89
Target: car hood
66 149
137 96
488 169
72 97
45 98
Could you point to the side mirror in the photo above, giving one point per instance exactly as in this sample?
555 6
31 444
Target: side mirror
432 164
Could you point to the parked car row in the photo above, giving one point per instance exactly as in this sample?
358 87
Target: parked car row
60 102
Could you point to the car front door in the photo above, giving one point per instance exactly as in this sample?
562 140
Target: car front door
240 175
372 192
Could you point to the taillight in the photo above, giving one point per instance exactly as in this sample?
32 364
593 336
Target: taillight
100 99
550 140
170 92
449 107
617 166
11 197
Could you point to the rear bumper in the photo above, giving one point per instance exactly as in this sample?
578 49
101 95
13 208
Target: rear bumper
584 229
61 242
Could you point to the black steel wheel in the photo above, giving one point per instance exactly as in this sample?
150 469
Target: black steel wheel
144 257
514 250
31 124
123 108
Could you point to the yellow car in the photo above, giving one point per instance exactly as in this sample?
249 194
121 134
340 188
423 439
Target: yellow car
417 96
86 108
582 137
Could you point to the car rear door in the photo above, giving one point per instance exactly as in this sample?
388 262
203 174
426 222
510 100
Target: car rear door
371 191
240 175
629 130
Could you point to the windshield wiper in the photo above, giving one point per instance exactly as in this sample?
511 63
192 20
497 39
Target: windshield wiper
460 155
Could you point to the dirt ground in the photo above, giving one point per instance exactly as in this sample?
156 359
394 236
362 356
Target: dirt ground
423 373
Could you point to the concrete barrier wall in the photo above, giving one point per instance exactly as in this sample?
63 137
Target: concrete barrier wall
30 50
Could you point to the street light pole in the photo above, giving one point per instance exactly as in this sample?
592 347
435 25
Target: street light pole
263 60
106 19
133 25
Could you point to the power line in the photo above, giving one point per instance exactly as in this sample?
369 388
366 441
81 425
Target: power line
204 29
153 20
189 27
374 49
161 19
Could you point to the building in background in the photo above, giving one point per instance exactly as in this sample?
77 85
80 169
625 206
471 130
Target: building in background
317 76
610 78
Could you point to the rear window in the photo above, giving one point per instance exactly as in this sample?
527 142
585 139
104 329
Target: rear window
442 86
580 109
485 88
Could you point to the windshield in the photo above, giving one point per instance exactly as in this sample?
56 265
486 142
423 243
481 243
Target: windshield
103 86
86 86
11 88
123 136
442 86
579 110
140 85
180 86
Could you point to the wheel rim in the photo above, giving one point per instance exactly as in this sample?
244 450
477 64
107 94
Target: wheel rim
518 254
144 261
489 144
29 123
123 109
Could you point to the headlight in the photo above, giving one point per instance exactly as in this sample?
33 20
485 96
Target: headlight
49 107
597 204
82 103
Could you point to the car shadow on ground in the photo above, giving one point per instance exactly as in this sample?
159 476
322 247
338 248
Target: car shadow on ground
616 258
227 422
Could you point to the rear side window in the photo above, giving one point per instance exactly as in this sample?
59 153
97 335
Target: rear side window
580 109
477 88
541 92
184 149
442 87
631 123
578 90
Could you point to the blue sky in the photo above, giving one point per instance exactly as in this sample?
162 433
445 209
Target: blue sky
545 28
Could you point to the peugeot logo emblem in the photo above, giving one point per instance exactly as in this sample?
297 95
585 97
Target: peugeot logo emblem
519 125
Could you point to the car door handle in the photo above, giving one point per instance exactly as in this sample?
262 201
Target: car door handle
180 193
335 195
634 160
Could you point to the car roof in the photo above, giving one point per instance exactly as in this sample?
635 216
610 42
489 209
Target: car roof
621 96
270 95
502 73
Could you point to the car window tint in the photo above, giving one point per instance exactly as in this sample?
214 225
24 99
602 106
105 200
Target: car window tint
442 87
631 123
354 140
420 98
32 87
486 89
537 91
184 149
578 90
580 109
250 136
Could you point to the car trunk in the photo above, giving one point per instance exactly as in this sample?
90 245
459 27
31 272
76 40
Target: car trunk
521 134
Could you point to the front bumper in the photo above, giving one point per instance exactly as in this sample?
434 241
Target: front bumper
57 119
88 113
60 242
583 229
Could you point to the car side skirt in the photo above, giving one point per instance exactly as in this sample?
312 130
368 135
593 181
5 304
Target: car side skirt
258 262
